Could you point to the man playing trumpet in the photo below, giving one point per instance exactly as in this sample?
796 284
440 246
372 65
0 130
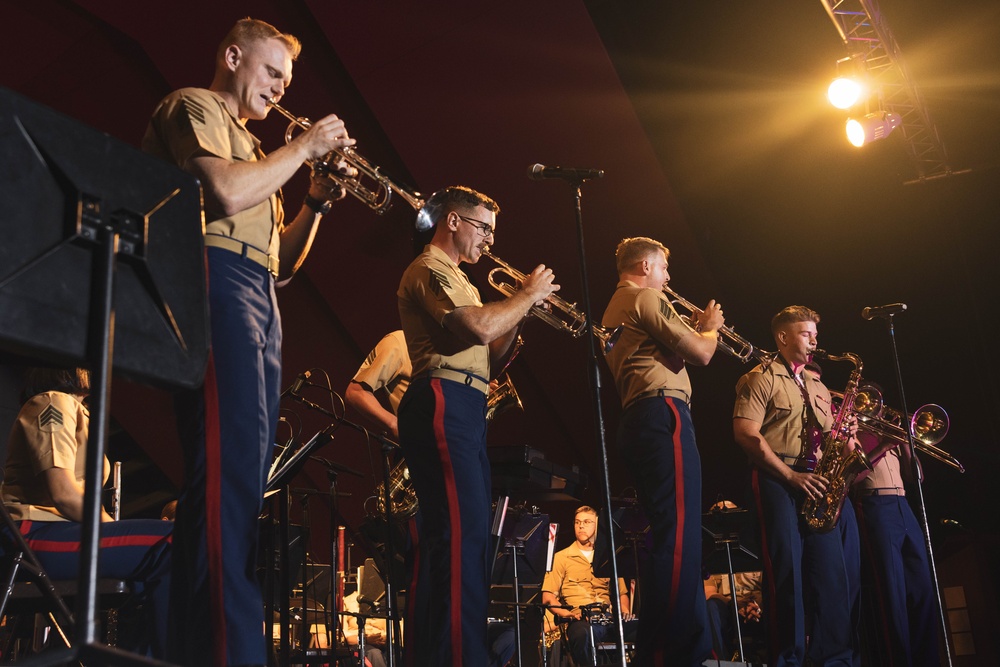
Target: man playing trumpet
454 340
227 428
657 441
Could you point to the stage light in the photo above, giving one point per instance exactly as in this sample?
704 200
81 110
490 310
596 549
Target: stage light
844 92
872 127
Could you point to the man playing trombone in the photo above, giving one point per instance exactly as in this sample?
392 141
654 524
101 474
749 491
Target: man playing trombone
454 340
657 441
227 428
894 544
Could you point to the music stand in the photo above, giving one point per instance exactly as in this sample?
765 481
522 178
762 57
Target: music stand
99 240
724 526
522 559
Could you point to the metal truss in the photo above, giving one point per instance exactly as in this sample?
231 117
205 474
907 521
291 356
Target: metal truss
870 43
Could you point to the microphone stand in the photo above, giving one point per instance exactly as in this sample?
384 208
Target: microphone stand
595 385
918 478
388 446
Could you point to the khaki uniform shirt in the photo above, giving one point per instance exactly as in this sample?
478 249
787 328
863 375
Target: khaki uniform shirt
886 474
387 368
431 287
50 432
771 397
572 579
194 122
643 359
747 585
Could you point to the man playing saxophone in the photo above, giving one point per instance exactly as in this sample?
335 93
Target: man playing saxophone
781 414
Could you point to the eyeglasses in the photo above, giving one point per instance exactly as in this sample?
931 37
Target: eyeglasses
484 228
584 522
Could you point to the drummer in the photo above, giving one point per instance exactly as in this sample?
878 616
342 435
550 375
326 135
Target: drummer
571 583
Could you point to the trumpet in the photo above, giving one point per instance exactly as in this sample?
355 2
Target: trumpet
564 316
929 424
378 195
730 342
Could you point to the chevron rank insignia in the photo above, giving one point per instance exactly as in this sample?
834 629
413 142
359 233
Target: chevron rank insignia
665 310
50 420
439 282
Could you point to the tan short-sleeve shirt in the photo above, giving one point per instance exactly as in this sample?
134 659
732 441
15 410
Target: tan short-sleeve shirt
50 432
644 359
431 287
887 474
771 397
195 122
572 579
387 368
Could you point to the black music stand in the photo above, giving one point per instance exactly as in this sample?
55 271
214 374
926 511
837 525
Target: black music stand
99 240
521 561
724 527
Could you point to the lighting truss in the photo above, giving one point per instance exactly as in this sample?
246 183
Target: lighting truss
870 42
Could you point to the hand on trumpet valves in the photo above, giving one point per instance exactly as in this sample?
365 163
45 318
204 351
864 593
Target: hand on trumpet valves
710 319
324 188
539 284
324 135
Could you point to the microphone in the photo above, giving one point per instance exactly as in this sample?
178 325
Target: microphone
296 387
871 312
537 172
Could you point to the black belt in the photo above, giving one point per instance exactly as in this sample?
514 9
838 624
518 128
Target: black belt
660 393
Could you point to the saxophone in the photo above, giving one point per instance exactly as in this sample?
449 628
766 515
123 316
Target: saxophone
840 470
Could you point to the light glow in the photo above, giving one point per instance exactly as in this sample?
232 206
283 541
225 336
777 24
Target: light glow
844 93
872 127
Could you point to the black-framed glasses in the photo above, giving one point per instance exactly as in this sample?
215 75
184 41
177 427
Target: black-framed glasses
484 228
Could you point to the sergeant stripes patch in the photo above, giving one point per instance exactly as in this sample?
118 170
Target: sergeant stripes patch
439 281
50 419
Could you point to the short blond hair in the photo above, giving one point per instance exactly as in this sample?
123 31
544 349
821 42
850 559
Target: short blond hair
792 314
635 250
248 30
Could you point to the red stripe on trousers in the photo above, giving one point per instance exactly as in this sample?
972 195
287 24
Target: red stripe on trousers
675 576
455 521
213 514
772 624
53 546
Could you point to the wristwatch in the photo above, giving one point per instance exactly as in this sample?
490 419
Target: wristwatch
318 205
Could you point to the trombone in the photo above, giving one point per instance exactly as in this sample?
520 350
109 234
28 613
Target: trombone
377 196
729 341
564 316
929 424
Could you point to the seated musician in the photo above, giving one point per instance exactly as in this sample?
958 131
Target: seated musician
571 583
43 491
